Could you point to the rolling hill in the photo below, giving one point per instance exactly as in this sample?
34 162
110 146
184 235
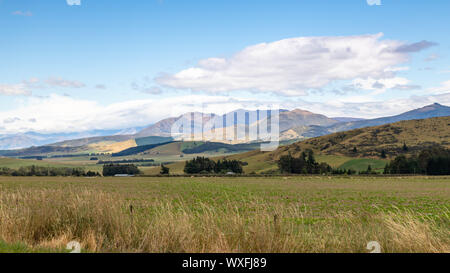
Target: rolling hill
345 124
294 125
338 149
370 141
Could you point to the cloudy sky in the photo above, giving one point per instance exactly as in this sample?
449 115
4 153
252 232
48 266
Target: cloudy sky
75 65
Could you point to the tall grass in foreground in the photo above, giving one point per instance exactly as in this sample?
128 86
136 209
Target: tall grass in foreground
105 222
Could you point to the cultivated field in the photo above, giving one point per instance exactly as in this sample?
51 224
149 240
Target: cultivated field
274 214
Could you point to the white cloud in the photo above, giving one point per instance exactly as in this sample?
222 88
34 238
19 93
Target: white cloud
14 89
146 86
25 87
381 85
443 88
23 13
374 2
397 69
432 57
294 66
57 113
73 2
154 90
100 86
363 107
60 82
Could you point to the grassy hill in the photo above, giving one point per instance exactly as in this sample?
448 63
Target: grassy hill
111 147
371 141
355 149
338 149
152 140
263 162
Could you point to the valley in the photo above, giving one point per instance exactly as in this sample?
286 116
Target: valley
353 149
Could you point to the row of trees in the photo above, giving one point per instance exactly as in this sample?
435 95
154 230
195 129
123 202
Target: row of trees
114 169
432 161
126 161
206 165
305 164
47 171
344 171
108 170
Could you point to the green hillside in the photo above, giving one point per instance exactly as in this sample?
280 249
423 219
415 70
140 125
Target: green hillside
152 140
404 137
138 149
361 164
355 149
13 163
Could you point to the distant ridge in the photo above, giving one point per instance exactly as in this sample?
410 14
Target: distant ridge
429 111
297 124
366 143
347 119
302 132
288 119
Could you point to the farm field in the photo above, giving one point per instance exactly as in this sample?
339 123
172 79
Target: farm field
260 162
14 163
217 214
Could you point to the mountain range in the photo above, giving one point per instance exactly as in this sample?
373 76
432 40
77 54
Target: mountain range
24 140
296 124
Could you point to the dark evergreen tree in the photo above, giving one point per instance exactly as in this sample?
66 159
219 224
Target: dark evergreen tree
404 148
206 165
164 169
432 161
114 169
305 164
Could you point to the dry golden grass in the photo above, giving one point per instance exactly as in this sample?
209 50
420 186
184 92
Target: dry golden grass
112 147
369 141
105 222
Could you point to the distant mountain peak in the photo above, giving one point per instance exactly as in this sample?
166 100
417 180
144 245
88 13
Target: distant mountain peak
432 107
301 111
302 122
436 105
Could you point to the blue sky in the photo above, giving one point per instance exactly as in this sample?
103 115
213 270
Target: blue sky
131 63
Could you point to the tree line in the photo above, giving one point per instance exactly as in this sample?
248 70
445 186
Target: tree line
47 171
102 162
305 164
432 161
114 169
207 166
